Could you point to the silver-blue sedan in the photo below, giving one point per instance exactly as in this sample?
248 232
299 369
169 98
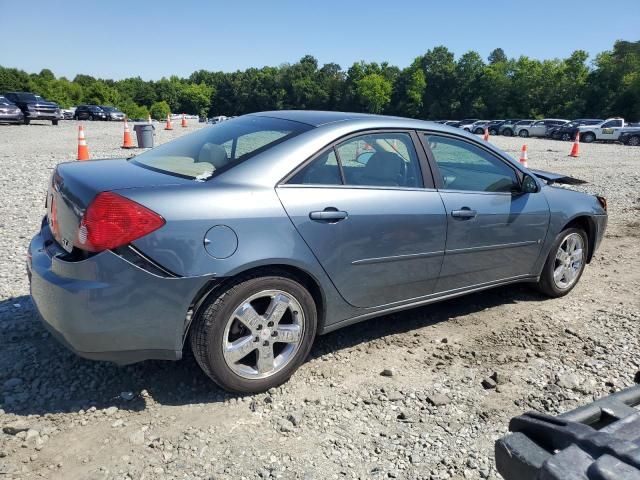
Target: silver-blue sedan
249 238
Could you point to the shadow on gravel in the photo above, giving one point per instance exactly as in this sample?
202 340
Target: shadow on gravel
39 376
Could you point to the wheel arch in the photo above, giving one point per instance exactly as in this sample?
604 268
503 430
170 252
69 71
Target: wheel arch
588 225
287 270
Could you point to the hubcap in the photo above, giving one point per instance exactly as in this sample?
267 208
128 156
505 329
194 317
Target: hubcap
569 261
263 334
634 141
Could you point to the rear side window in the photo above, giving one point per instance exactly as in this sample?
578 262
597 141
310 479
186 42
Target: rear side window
374 160
465 166
214 149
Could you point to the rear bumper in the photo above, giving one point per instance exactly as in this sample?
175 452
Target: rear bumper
105 308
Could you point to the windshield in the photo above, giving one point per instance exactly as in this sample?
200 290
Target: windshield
4 101
214 149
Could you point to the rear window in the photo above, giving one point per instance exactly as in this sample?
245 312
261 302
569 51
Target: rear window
215 149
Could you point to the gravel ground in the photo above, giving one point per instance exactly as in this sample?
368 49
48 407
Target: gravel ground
403 396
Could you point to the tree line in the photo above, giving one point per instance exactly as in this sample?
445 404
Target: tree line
435 86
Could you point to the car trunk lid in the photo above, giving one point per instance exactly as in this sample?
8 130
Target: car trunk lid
74 185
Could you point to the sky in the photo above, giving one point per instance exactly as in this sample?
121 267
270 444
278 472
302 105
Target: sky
151 39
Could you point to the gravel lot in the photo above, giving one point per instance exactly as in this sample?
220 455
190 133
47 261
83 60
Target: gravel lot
396 397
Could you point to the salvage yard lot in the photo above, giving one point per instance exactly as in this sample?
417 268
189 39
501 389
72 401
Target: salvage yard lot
63 417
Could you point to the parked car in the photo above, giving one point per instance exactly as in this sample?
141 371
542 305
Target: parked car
538 128
90 112
569 130
452 123
34 107
630 136
475 127
508 129
607 131
218 119
131 259
67 113
9 111
113 113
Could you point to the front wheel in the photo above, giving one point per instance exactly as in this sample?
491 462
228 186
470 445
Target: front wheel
634 141
27 121
54 122
565 263
566 137
255 333
493 132
507 132
524 133
91 117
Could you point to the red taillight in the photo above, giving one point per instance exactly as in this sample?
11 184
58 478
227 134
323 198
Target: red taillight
112 221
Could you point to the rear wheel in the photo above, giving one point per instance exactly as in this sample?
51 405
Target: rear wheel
565 263
507 132
493 132
566 137
588 137
524 133
255 333
634 141
27 121
91 117
54 122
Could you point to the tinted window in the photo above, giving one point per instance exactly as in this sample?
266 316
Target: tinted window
210 150
380 159
464 166
324 170
612 123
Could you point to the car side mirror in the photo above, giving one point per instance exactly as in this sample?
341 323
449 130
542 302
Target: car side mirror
528 185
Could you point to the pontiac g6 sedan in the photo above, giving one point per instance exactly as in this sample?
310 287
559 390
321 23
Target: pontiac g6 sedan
249 238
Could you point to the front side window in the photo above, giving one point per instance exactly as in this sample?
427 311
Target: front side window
211 150
465 166
612 123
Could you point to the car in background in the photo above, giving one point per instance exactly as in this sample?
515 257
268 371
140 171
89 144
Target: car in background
89 112
607 131
218 119
131 261
476 127
34 107
495 125
452 123
466 123
569 130
113 113
539 127
508 129
630 136
67 113
9 111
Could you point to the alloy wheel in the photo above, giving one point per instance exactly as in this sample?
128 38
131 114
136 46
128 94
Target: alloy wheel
569 261
263 334
634 141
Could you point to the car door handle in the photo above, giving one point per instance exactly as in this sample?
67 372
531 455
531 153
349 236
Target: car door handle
464 213
329 214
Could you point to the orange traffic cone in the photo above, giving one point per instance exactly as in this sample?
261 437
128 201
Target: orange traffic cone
83 150
486 134
575 149
127 143
169 126
524 157
184 121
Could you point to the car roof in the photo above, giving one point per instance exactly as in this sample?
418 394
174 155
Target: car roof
317 118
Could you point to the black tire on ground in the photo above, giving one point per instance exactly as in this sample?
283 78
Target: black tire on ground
27 121
507 132
524 133
566 137
634 141
493 132
478 131
91 118
588 137
54 122
546 285
207 332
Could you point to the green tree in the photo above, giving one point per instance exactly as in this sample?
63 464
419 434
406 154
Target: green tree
160 110
374 92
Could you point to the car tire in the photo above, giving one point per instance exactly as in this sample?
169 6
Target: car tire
217 334
560 276
634 141
493 132
588 137
91 117
523 133
507 132
27 121
566 137
54 122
